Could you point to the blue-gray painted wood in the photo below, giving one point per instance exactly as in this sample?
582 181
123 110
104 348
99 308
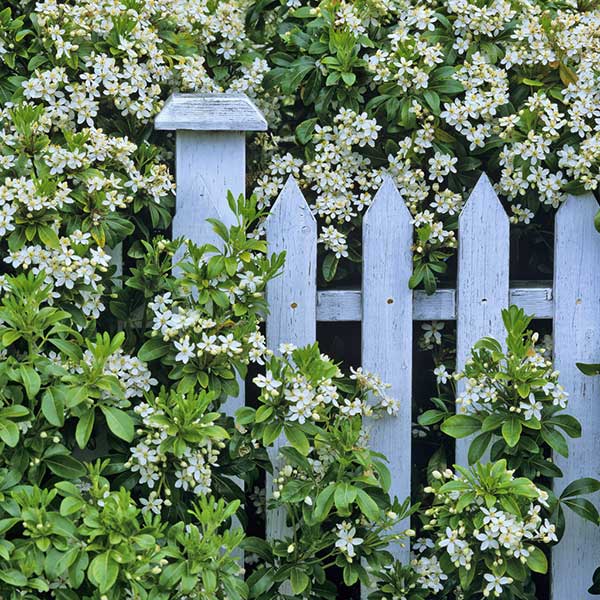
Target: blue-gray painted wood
116 259
534 298
482 286
387 327
210 112
209 164
292 296
577 339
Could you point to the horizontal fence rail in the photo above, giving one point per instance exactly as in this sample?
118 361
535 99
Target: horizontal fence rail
346 305
211 160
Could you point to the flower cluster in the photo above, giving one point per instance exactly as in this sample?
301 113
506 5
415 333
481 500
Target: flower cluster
512 391
178 445
450 89
488 524
206 323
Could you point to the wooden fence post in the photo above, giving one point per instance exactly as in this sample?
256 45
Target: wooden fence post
387 327
292 296
577 339
482 286
210 161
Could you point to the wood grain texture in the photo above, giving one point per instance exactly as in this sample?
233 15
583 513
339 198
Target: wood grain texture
208 165
577 339
346 305
292 296
387 330
210 112
116 259
482 287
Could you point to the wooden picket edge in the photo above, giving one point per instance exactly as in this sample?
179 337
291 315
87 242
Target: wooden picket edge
387 332
577 339
290 226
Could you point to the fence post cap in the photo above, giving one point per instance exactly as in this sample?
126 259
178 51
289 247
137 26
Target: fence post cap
210 112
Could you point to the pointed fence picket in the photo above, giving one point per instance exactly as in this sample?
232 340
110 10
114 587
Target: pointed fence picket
482 288
292 297
210 160
387 327
577 339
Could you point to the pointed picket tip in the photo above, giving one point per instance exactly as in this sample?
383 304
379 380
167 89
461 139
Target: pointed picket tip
483 202
389 201
289 204
584 207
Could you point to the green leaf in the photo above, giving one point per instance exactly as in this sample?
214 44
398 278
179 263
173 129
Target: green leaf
555 440
84 428
430 417
345 494
299 580
589 369
349 79
580 487
65 466
9 433
103 571
263 413
478 446
537 561
492 422
433 101
367 505
271 433
31 380
53 408
119 422
584 508
297 439
154 348
460 426
13 577
324 503
511 431
569 424
330 265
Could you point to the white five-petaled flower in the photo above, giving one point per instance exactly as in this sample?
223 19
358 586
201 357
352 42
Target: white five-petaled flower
186 350
267 382
495 584
347 540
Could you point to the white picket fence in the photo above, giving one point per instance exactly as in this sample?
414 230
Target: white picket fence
210 160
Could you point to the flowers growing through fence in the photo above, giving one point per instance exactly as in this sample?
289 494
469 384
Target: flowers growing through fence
487 529
331 486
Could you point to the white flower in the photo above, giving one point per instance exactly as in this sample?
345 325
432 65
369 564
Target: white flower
186 350
495 584
347 541
441 374
267 382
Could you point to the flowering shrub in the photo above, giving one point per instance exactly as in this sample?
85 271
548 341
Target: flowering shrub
330 487
484 526
432 93
120 473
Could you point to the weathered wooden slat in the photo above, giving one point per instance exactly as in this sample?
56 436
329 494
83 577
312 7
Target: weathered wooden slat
577 339
292 296
209 164
346 305
482 290
210 161
387 323
116 259
210 112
